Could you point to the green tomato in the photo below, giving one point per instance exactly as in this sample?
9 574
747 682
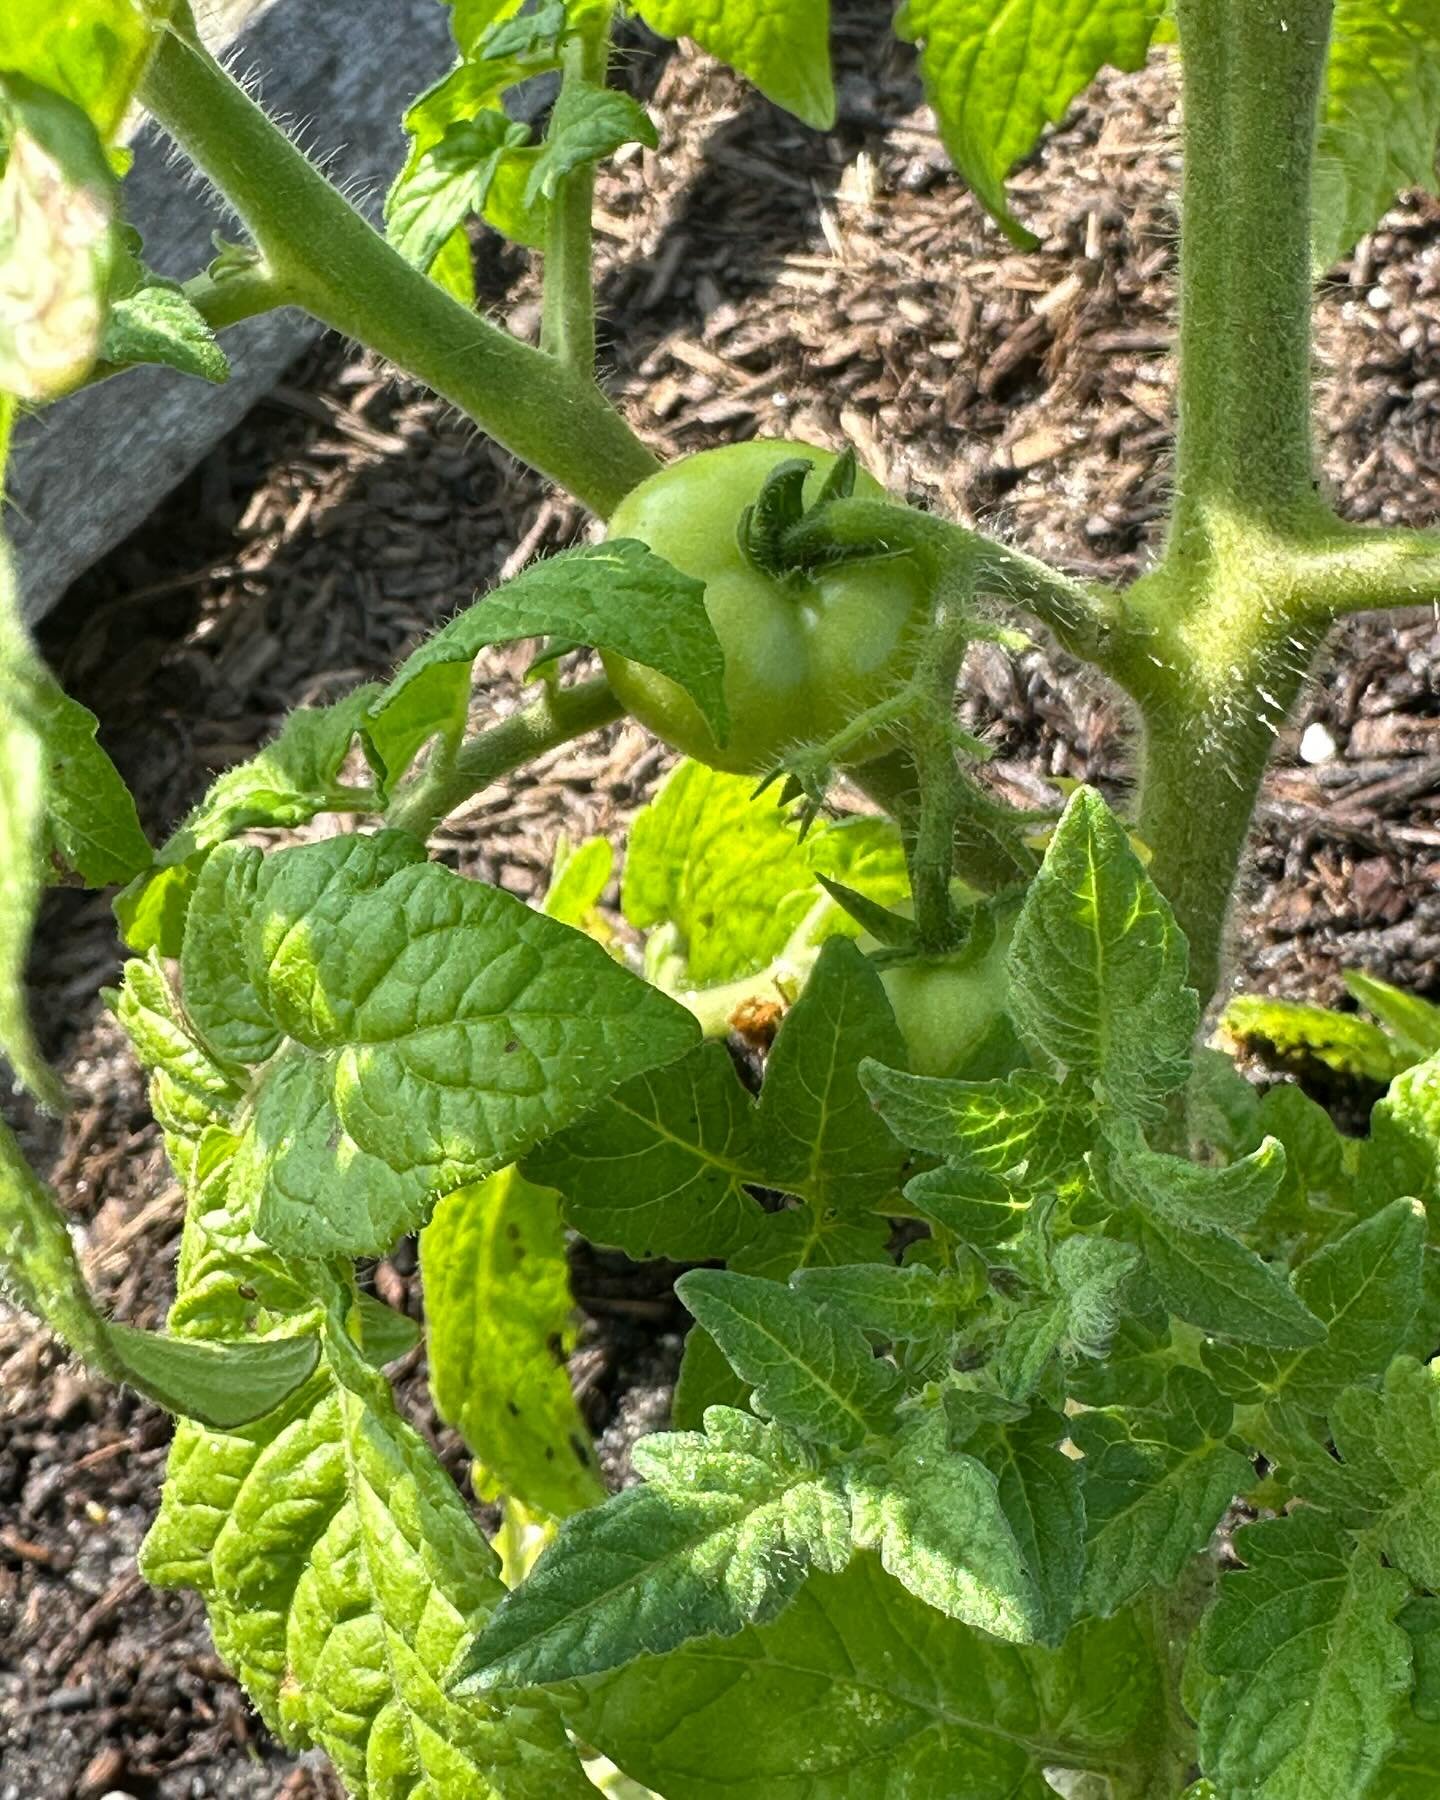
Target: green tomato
803 655
951 1010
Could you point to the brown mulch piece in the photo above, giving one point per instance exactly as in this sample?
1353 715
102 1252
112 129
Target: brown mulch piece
756 279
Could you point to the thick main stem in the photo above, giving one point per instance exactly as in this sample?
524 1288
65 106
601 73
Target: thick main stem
1223 632
330 261
1201 769
1252 79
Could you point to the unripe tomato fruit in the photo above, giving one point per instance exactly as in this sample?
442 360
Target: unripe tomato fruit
951 1010
803 655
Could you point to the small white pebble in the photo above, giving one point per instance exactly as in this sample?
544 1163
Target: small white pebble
1380 297
1316 744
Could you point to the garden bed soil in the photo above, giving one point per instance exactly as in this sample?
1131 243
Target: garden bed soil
756 279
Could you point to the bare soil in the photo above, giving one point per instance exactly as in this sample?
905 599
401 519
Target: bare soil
756 280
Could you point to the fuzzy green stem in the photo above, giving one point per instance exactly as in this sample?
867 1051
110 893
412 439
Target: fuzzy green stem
1362 569
931 743
335 265
567 323
1205 746
557 716
237 294
989 852
1083 617
1252 77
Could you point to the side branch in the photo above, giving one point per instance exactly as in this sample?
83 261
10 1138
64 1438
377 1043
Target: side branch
329 260
1085 618
1362 569
557 716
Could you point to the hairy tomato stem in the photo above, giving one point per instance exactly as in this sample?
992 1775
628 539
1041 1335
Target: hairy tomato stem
329 260
1252 72
557 716
567 324
1083 617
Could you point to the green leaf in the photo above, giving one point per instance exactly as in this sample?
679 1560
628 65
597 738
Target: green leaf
342 1574
437 1029
474 88
725 1530
471 21
818 1136
1229 1198
1077 1318
222 999
22 835
189 1090
661 1167
913 1305
1005 1142
447 182
724 875
1097 966
724 869
1365 1291
93 825
1315 1196
809 1373
1402 1154
1029 1128
1157 1483
587 124
612 596
57 211
385 1335
1379 117
783 46
1221 1108
1294 1034
1212 1280
157 324
285 785
578 877
782 1243
1414 1021
997 76
936 1518
1391 1443
223 1384
533 30
859 1689
1309 1664
1412 1769
91 51
1039 1491
499 1322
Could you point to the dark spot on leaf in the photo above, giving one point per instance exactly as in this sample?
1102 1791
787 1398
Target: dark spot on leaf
512 1409
549 1453
582 1454
512 1046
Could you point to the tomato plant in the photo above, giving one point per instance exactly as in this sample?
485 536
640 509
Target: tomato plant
1015 1301
804 651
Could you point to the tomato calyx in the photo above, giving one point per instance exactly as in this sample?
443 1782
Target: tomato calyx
766 528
